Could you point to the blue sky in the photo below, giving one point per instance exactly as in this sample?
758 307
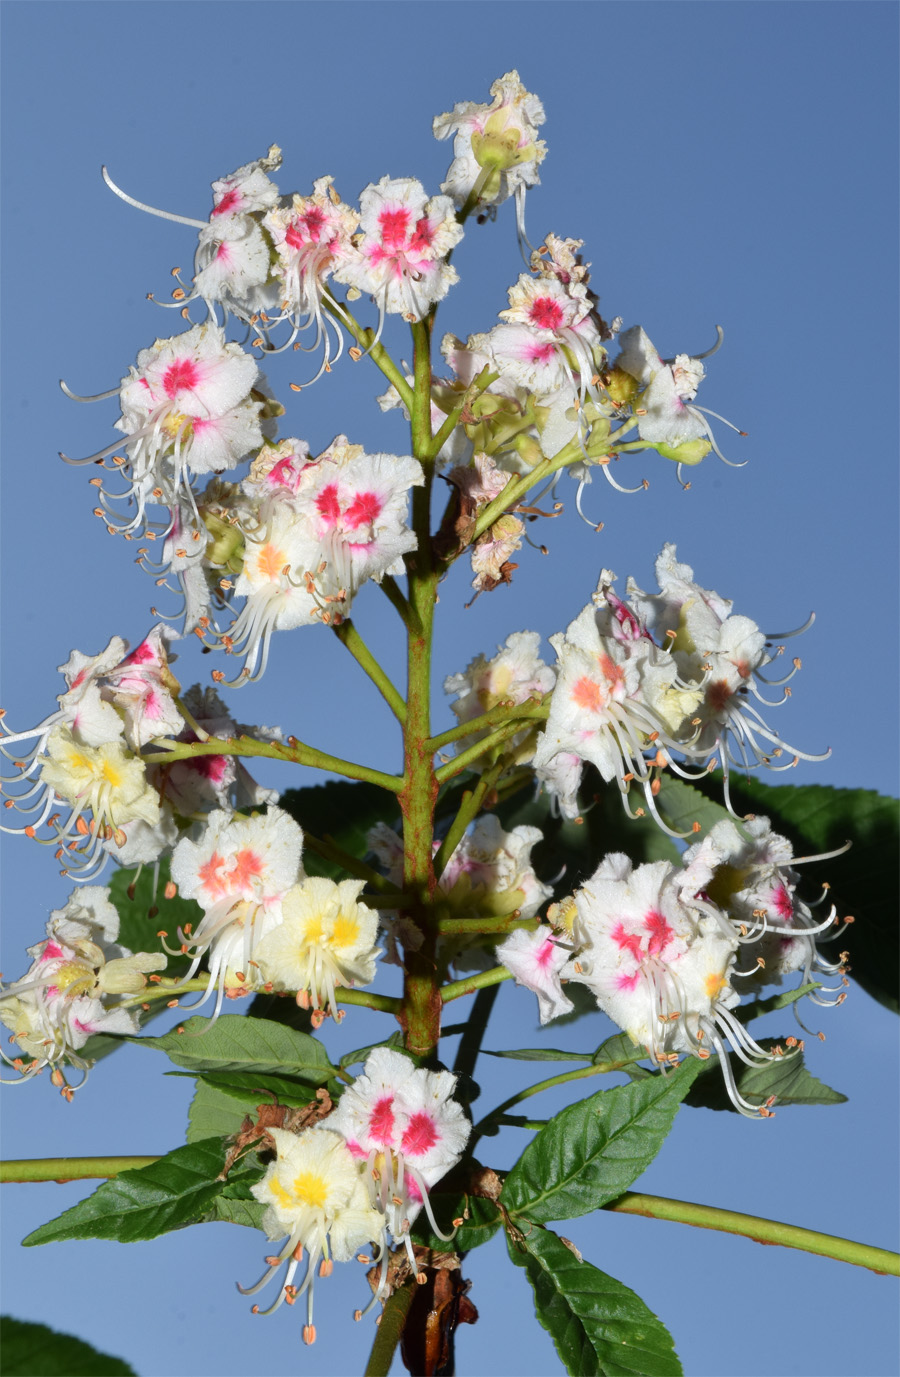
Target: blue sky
726 163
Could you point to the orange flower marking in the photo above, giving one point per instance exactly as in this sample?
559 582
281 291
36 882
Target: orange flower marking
271 561
247 867
612 672
210 876
588 694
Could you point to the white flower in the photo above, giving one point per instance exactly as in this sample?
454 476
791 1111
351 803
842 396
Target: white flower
747 871
239 873
515 674
404 1123
405 240
325 941
719 658
143 686
312 237
536 959
610 676
71 990
316 1197
496 153
661 966
106 781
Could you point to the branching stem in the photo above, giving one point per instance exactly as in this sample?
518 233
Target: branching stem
349 636
294 751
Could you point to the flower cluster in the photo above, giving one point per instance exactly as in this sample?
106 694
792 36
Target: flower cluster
658 946
265 924
86 756
361 1175
73 988
658 676
311 533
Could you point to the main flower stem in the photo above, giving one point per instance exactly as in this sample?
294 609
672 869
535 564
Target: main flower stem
422 1002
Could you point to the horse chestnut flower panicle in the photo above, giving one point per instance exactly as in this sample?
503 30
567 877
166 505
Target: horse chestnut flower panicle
660 964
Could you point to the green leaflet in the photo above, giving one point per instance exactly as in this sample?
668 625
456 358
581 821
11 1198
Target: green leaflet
236 1043
599 1326
141 1204
788 1078
592 1151
228 1210
215 1113
34 1350
539 1054
395 1041
223 1099
482 1222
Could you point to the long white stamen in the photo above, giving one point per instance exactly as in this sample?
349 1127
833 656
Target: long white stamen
151 210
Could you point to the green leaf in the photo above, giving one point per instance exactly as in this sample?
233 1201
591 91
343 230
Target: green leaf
34 1350
592 1151
343 811
599 1326
216 1113
147 1202
395 1041
788 1079
236 1043
817 818
540 1054
620 1050
222 1100
228 1210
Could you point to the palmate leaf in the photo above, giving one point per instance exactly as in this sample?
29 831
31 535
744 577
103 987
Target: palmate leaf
253 1045
591 1152
177 1190
599 1326
34 1350
817 818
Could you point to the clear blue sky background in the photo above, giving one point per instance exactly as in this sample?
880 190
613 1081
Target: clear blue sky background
726 163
